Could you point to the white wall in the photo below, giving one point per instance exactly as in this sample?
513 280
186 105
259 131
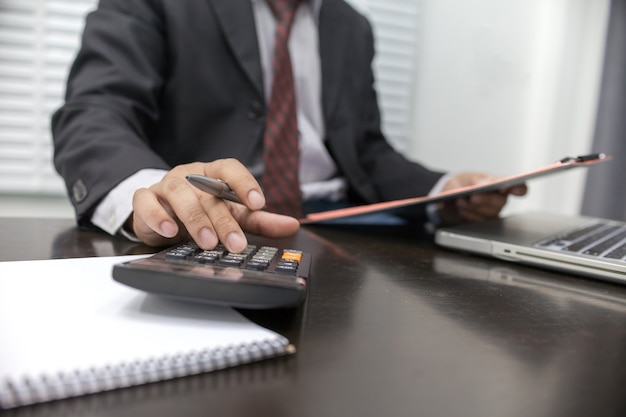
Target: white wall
506 86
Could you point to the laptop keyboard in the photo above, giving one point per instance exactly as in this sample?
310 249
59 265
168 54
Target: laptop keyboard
603 240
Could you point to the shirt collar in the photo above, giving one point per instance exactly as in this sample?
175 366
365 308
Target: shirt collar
315 6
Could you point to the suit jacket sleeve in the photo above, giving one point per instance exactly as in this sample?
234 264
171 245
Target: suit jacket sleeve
101 133
158 83
376 171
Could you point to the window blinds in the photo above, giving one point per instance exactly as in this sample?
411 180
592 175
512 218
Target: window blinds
39 38
396 26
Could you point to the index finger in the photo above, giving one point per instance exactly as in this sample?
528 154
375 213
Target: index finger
239 179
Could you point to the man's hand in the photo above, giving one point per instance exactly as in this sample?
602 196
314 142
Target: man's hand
173 210
475 207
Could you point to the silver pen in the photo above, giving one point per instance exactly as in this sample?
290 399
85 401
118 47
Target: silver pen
215 187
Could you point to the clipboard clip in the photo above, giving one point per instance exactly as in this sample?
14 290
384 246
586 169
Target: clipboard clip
583 158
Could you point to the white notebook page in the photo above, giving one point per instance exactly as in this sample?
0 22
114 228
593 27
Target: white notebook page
66 315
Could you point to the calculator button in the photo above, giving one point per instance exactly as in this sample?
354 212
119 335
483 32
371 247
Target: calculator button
257 265
232 260
292 255
206 257
176 255
286 269
286 266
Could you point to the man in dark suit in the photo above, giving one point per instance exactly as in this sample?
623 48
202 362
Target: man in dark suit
164 88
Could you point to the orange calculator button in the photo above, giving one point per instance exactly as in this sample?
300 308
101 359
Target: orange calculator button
292 255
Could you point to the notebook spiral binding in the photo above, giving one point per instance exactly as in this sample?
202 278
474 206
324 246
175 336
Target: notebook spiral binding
254 374
31 390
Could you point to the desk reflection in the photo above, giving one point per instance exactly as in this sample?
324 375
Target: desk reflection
569 333
74 242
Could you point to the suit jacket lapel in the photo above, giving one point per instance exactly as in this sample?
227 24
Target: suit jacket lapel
237 22
331 52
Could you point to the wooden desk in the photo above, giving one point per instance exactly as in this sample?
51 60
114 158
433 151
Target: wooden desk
392 326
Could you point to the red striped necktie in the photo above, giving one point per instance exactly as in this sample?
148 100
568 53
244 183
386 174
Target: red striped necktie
281 150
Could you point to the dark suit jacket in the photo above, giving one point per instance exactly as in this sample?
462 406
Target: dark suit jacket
158 83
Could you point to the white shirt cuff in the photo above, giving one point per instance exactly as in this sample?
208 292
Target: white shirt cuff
117 206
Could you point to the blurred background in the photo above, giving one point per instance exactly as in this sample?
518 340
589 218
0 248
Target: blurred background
502 86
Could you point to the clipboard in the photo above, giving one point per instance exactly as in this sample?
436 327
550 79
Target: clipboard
499 184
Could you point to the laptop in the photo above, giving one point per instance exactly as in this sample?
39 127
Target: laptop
587 246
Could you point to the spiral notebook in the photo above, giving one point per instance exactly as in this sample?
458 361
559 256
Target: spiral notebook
67 329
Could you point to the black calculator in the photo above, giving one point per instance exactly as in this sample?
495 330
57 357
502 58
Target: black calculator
261 277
